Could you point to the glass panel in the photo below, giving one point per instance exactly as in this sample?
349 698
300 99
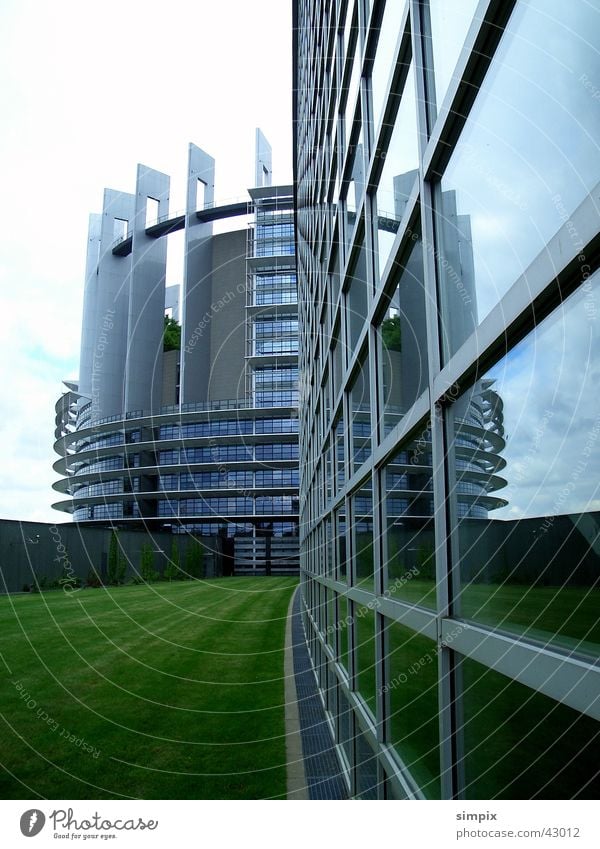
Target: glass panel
366 769
329 547
331 617
389 34
355 191
341 545
399 171
526 159
449 26
344 625
527 470
345 725
340 477
360 407
362 505
356 298
410 569
520 744
364 620
353 89
413 704
337 361
402 337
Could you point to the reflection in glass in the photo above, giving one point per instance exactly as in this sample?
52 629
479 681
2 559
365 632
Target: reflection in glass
527 483
389 33
354 191
450 23
410 572
360 409
520 744
364 629
362 506
402 334
411 688
522 164
399 171
343 625
341 545
357 298
345 726
338 447
353 89
366 769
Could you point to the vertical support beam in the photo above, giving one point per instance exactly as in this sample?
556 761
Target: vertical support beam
143 371
90 305
197 292
108 338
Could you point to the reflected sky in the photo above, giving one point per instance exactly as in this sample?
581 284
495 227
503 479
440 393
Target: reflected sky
529 153
549 385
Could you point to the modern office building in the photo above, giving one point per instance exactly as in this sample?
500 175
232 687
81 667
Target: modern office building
197 435
447 191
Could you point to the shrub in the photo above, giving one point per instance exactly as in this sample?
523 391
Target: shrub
194 559
147 571
117 562
173 572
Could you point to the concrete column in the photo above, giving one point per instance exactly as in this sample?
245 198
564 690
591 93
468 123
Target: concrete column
197 284
90 305
144 358
108 339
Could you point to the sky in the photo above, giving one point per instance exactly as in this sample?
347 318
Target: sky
88 90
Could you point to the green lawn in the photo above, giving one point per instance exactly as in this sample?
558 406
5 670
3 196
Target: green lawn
162 691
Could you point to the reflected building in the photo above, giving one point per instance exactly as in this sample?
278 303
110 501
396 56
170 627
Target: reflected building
449 428
191 427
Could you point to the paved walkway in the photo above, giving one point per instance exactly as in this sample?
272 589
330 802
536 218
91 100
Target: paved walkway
319 776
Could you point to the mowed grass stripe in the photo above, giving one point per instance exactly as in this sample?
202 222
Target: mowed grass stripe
155 683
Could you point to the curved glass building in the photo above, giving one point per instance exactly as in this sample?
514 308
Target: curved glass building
196 433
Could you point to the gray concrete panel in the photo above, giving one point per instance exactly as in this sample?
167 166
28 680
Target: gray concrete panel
143 370
109 333
228 323
197 298
90 305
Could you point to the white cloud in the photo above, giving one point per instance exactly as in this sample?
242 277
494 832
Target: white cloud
86 92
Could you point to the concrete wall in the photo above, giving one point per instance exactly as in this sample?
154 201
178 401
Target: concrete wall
90 305
143 369
109 334
197 297
36 549
227 325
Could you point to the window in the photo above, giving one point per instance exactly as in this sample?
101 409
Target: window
527 466
518 171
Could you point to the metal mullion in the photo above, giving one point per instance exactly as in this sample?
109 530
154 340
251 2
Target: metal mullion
568 679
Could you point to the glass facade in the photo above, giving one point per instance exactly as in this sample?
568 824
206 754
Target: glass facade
449 291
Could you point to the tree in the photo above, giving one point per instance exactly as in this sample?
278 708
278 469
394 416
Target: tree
172 335
147 571
173 572
194 559
117 562
391 333
113 558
